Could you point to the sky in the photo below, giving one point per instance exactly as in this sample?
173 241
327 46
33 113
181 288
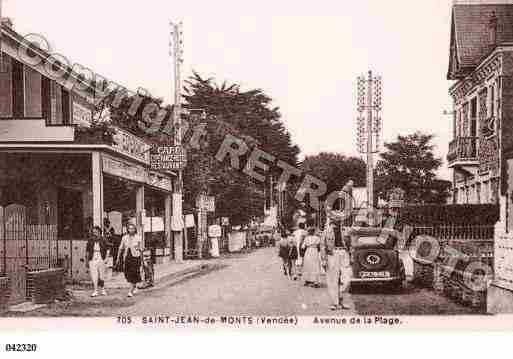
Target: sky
305 55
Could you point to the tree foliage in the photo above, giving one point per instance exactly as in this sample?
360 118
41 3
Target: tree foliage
335 169
409 163
250 116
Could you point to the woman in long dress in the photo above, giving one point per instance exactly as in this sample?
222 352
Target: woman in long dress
312 261
130 251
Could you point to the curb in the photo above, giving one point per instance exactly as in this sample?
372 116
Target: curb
169 276
182 273
87 285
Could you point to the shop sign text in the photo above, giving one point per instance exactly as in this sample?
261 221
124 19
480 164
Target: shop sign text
170 158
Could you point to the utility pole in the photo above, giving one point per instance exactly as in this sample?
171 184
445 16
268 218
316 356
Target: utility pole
177 56
1 24
271 193
370 159
369 126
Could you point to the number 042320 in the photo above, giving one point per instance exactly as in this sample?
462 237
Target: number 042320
20 347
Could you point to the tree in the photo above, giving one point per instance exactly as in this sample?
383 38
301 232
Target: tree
250 116
409 163
335 169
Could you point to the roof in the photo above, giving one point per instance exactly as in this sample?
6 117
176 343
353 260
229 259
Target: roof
470 34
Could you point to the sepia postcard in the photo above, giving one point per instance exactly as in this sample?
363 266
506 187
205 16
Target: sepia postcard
168 165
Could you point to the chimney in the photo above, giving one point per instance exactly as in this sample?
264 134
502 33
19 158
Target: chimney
492 28
7 22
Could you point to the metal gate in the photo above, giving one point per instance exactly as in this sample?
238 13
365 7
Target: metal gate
15 250
23 248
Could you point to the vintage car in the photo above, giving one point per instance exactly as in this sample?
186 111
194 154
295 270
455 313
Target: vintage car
264 236
375 258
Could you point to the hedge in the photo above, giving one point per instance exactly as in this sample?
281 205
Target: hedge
455 214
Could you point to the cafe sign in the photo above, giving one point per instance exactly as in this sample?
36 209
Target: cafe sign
124 170
135 173
131 145
171 158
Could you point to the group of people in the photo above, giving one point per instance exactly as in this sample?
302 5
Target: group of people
305 253
299 251
127 257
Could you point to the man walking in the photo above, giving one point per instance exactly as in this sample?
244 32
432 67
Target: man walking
335 246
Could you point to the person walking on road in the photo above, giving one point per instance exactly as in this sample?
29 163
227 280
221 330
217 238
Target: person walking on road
96 251
292 255
130 252
283 252
299 237
311 261
335 247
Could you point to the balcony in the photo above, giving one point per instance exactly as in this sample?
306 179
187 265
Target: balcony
463 152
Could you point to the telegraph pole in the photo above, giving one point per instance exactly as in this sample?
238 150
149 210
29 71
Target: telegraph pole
370 157
176 47
1 24
369 126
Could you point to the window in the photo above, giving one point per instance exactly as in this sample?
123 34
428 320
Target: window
486 192
473 117
32 93
6 89
46 97
66 108
18 90
473 107
492 101
55 104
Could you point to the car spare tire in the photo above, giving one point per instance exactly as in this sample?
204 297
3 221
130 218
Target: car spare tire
372 260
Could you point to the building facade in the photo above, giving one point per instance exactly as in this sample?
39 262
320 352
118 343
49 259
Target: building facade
481 64
481 153
58 186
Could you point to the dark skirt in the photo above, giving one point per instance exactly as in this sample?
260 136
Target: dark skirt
132 268
284 252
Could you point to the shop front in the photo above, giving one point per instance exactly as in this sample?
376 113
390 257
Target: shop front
133 193
58 180
50 198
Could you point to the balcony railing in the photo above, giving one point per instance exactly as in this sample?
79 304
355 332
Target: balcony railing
462 149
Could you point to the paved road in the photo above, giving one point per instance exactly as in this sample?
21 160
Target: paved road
252 284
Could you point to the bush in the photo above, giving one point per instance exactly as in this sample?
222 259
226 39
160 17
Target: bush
455 214
96 133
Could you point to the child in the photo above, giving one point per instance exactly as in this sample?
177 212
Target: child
283 252
292 257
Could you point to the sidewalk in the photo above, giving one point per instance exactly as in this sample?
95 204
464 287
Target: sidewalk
163 272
